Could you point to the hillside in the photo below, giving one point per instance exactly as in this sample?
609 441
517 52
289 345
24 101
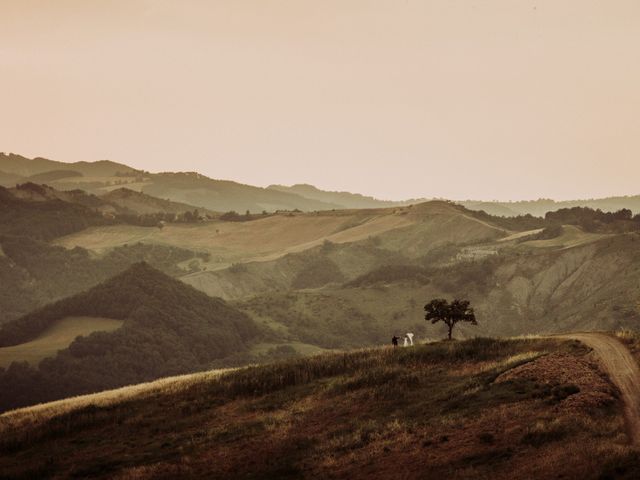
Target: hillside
34 273
500 409
19 165
30 210
187 188
169 328
142 204
382 265
225 195
537 208
340 199
540 207
54 338
270 237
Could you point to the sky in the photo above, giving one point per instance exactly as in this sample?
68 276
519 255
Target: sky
481 99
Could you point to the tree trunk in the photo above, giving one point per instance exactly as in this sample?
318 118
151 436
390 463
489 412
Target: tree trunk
450 329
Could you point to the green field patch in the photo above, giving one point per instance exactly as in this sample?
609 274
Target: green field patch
57 337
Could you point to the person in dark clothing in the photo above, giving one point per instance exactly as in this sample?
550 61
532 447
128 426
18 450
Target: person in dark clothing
394 341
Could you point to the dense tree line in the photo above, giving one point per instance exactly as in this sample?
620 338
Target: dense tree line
170 328
519 223
592 220
587 218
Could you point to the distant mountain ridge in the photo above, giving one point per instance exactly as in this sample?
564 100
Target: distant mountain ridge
25 167
193 188
341 199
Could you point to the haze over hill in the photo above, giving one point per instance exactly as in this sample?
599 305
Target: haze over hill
191 188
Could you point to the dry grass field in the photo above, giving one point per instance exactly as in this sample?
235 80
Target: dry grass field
276 235
482 408
266 238
58 337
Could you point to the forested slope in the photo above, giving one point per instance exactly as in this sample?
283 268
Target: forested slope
170 328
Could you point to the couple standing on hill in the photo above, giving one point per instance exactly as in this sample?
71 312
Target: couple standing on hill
408 340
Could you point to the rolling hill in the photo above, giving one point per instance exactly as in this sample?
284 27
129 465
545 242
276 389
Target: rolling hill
345 200
34 273
382 265
188 188
169 328
142 204
192 188
539 207
536 208
483 408
225 195
19 165
33 210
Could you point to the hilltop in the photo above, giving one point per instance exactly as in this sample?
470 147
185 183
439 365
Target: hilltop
482 408
169 328
26 167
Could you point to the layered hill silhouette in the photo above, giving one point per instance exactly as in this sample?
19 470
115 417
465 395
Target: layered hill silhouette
25 167
223 195
341 199
169 328
140 203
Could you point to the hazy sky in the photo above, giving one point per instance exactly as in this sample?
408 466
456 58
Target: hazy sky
488 99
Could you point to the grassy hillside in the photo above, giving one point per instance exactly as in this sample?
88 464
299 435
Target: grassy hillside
57 337
501 409
386 263
169 328
412 230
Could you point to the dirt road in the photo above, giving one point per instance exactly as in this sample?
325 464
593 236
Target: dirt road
623 370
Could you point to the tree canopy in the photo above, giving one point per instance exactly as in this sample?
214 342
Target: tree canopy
440 310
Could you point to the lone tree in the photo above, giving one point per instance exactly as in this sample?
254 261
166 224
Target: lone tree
439 310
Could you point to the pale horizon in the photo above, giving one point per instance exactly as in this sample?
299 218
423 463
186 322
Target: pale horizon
499 100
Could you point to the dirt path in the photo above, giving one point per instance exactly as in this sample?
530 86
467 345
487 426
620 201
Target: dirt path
623 370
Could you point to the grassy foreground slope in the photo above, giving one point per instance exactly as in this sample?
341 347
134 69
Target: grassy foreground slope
483 408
